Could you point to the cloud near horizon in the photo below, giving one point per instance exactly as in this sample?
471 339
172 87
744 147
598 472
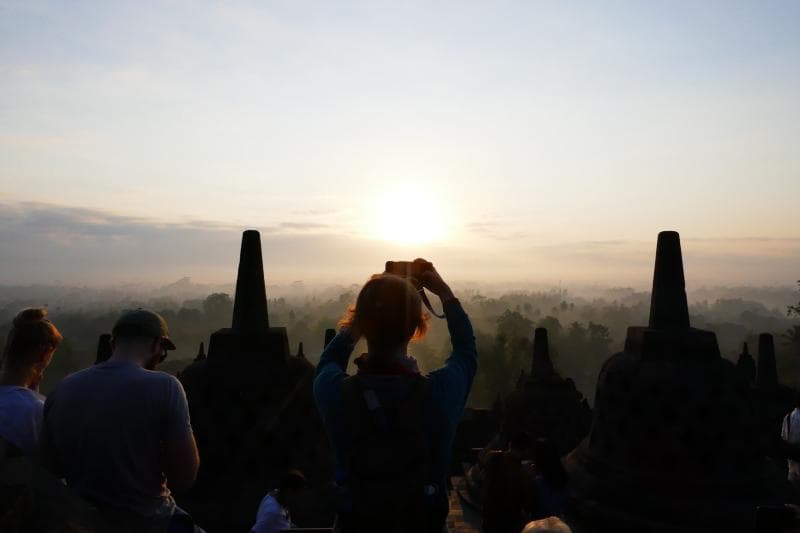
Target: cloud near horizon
45 243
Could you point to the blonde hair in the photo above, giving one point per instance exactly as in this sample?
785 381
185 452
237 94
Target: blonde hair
552 524
31 335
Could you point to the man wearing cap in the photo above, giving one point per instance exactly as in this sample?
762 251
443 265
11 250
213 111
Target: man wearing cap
119 432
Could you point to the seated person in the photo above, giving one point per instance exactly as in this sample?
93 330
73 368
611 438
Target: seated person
392 428
509 487
119 434
274 514
29 349
550 479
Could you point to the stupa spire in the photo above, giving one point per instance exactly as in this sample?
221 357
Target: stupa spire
201 352
767 374
541 365
250 315
668 306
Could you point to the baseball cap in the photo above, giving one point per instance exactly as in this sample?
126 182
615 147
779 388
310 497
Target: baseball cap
143 323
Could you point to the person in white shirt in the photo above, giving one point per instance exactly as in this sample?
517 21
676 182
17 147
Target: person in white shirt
790 432
273 514
29 349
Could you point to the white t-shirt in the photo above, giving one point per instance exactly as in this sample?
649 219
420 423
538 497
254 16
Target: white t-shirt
790 432
272 517
21 417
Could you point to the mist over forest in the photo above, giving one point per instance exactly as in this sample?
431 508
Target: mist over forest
586 324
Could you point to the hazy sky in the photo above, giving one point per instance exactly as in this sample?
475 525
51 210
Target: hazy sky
510 140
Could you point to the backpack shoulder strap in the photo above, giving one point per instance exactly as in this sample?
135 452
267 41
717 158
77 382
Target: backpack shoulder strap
360 390
357 391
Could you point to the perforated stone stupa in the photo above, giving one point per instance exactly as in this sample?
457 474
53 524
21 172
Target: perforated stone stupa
253 413
674 444
544 404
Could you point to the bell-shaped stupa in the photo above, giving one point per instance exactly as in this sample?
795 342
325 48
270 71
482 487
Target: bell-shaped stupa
675 443
544 404
253 413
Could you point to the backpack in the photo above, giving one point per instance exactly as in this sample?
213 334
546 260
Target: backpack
388 460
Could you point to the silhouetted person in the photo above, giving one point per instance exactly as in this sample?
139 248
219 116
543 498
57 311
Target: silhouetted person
550 480
790 432
509 488
392 428
29 349
120 434
274 511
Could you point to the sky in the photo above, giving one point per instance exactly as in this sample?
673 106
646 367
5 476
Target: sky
531 141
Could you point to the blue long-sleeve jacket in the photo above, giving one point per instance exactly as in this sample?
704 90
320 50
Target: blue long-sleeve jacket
450 386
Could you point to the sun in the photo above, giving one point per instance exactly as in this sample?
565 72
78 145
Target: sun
409 217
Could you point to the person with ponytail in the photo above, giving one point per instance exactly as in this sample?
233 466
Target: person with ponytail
29 349
392 428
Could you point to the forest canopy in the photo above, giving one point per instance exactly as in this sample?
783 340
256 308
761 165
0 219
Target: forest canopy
584 328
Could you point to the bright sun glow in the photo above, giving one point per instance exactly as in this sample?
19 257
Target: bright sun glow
407 216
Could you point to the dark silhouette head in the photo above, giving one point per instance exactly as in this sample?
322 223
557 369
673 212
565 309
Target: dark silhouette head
668 305
388 313
549 463
30 344
142 336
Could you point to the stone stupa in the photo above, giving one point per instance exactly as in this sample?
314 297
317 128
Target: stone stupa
544 404
675 443
253 413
